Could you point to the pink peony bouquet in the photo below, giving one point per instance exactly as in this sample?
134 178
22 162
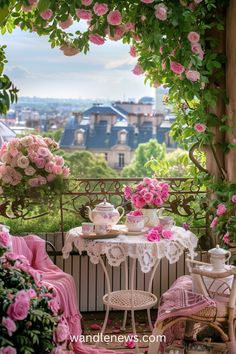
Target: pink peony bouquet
30 320
159 233
148 194
29 167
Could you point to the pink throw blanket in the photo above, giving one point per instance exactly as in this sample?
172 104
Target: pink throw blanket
33 248
180 300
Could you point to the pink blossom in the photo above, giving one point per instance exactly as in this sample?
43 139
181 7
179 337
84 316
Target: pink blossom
44 152
147 180
177 68
148 197
23 162
66 172
199 127
57 170
22 295
9 324
147 1
193 37
127 192
46 14
221 209
197 49
49 166
137 70
140 202
129 26
18 310
96 39
59 160
31 293
5 240
135 213
62 332
33 182
53 305
30 171
118 33
233 198
7 350
157 201
114 18
40 162
11 256
167 234
192 75
67 23
214 223
161 12
153 236
86 2
84 14
100 9
227 238
133 52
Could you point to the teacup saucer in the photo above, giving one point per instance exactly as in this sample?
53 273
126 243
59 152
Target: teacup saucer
135 233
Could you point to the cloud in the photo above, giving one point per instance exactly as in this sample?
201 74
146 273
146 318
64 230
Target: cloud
18 72
124 63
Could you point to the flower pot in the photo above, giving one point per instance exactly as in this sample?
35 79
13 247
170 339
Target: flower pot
151 217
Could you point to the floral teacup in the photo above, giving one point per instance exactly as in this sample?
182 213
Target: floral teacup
135 221
167 222
87 228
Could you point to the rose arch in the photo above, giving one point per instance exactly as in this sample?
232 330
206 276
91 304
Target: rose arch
187 45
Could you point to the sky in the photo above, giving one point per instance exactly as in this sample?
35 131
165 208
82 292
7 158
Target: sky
105 72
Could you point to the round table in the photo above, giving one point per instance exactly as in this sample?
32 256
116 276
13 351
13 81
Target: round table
147 253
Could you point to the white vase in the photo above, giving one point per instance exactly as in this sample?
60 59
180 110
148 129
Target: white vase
151 217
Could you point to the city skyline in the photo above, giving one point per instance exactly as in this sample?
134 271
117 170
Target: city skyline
39 71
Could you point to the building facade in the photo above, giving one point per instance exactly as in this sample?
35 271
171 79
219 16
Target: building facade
116 131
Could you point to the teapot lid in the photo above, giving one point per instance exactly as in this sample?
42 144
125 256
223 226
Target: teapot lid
105 205
218 251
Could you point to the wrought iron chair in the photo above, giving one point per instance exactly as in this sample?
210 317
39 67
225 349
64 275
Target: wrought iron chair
220 287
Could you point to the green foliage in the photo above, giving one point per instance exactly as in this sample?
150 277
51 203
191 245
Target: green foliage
144 153
175 164
84 164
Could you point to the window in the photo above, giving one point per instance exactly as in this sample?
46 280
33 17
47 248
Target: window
121 160
80 136
122 136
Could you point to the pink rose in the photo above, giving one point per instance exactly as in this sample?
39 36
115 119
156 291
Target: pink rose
114 18
135 213
18 310
129 26
67 23
133 52
127 192
233 198
140 202
227 238
57 170
167 234
59 160
161 12
96 39
157 201
153 236
30 171
31 293
5 239
44 152
62 332
33 182
22 295
192 75
7 350
86 2
199 127
147 1
214 223
53 305
84 14
49 166
193 37
40 162
137 70
9 324
23 162
100 9
118 34
148 197
177 68
197 49
66 172
221 209
46 14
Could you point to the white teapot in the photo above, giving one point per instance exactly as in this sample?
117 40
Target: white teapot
219 257
105 213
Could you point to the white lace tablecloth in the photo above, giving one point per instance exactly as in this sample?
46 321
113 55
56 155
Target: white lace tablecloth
118 248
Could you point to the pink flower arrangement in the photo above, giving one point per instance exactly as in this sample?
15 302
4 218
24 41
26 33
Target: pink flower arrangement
158 233
30 162
150 193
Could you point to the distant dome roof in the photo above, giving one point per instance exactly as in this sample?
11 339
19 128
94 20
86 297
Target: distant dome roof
146 100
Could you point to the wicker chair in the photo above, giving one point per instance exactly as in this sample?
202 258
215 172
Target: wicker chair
221 287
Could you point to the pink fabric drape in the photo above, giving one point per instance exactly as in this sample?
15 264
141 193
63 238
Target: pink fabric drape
33 248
